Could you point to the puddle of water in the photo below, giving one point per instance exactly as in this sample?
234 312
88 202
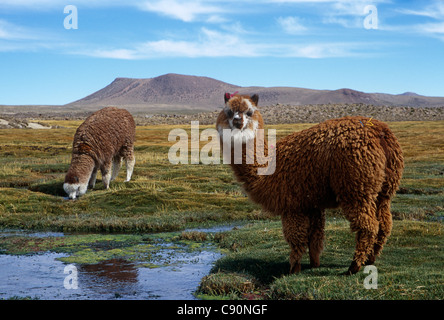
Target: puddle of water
31 276
178 282
215 229
27 233
42 276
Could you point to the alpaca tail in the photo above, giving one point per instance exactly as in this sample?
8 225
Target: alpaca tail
394 162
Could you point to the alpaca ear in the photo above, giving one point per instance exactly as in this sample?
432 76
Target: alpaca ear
227 97
255 99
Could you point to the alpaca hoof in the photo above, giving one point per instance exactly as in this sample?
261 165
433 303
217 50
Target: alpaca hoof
370 261
296 268
314 263
353 269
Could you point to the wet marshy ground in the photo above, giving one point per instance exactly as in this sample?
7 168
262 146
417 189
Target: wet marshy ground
155 266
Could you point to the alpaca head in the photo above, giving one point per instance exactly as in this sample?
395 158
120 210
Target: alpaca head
241 116
241 128
73 186
79 173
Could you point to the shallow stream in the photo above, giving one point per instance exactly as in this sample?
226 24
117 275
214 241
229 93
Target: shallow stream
43 276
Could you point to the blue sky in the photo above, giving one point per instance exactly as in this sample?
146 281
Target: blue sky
317 44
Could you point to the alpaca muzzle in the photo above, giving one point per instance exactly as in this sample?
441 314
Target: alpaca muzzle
238 122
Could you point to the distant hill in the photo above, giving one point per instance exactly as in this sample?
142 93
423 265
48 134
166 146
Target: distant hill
182 92
163 92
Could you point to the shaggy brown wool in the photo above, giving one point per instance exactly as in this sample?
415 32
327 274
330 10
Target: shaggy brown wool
101 142
352 163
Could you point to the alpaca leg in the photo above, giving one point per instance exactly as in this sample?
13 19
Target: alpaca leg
92 179
129 161
316 237
362 221
295 228
106 174
117 163
384 217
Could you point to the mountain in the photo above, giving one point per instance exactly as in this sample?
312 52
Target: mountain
171 92
408 93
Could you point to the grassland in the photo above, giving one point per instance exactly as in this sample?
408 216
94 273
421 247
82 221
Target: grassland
164 197
160 197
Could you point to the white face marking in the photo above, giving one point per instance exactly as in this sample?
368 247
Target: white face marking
71 189
244 121
240 135
75 189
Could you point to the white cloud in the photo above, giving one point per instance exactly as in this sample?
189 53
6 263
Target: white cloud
210 43
10 31
186 11
120 54
353 8
213 44
291 25
346 13
46 4
432 27
325 50
304 1
434 30
215 18
434 10
344 22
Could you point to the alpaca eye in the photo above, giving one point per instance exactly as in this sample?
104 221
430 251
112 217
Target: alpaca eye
249 113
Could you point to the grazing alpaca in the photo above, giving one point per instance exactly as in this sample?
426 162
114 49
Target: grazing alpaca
350 162
101 142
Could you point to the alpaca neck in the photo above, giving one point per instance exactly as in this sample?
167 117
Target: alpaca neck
82 165
252 164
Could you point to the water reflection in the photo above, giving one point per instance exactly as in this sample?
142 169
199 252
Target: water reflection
115 278
113 270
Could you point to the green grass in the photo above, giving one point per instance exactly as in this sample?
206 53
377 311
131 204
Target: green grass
256 265
163 197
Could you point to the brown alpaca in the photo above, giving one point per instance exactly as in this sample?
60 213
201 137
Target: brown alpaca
101 142
352 163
